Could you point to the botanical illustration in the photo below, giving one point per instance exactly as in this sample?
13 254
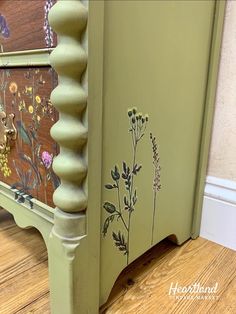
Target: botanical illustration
156 178
47 28
27 166
4 30
123 185
124 208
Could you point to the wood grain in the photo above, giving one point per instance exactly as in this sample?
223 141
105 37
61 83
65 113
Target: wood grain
142 288
23 269
25 20
145 288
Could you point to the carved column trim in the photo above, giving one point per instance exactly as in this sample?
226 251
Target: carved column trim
68 19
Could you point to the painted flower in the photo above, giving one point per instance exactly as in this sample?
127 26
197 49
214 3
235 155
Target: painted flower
38 99
21 105
4 30
28 90
6 171
13 87
47 28
31 109
38 118
47 159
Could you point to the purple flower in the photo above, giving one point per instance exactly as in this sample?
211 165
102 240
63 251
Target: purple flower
47 28
47 159
4 30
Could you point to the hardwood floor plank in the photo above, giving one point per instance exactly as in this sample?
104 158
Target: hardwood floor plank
227 301
24 242
23 289
142 288
182 265
23 269
39 306
221 270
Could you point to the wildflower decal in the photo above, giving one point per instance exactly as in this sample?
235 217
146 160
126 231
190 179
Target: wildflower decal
4 29
125 206
123 184
156 178
29 170
47 159
4 163
13 88
47 28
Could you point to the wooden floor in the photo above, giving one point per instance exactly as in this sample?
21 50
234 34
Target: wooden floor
142 289
23 269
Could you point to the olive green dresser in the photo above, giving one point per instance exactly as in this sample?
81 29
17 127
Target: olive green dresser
114 160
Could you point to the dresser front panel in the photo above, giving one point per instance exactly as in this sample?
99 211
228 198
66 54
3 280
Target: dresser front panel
24 25
28 170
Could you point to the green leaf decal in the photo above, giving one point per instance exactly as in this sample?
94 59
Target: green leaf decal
23 132
109 207
115 174
109 186
106 224
120 242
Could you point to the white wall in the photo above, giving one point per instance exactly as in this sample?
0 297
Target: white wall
219 207
222 162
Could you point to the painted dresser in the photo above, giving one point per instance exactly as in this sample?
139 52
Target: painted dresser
104 131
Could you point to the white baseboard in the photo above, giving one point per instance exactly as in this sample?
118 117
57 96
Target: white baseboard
219 212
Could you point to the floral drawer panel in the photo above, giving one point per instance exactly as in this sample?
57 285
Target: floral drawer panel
24 25
27 167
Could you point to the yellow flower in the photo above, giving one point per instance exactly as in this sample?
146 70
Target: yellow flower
28 89
31 109
13 87
21 105
6 171
38 118
18 94
38 99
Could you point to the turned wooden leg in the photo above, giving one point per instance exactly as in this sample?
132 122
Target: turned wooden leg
71 277
72 289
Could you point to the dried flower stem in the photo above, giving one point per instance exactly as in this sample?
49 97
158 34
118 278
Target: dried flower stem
138 124
156 178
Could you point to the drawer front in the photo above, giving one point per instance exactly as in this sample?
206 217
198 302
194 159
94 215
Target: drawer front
24 26
27 168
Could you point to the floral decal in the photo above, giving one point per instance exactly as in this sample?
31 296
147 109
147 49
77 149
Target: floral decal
13 88
29 173
5 32
4 29
4 168
47 28
126 205
47 159
156 178
123 183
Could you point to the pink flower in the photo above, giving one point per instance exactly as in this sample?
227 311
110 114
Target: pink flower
47 159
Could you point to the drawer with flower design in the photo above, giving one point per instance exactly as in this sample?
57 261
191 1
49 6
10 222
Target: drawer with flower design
26 162
24 25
